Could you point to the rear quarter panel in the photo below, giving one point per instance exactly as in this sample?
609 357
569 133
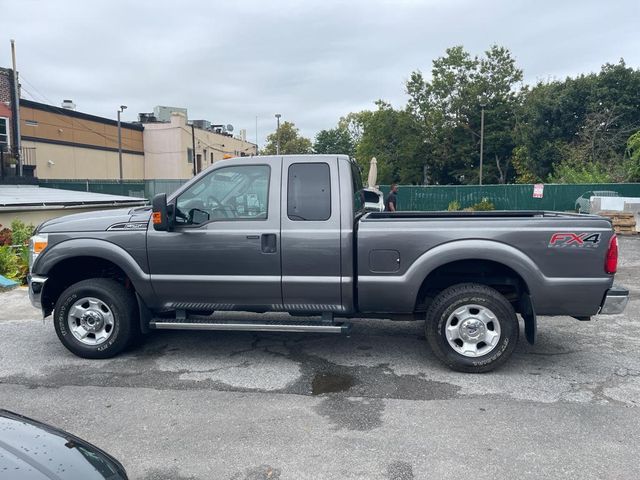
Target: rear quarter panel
564 277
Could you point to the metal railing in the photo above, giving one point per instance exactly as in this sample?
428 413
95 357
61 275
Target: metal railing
9 163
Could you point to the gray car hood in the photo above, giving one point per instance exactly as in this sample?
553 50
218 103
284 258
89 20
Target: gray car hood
31 450
95 221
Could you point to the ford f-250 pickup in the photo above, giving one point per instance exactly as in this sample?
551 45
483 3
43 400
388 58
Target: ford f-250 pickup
290 234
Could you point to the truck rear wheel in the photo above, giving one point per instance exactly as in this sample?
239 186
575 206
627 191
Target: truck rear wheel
95 318
471 328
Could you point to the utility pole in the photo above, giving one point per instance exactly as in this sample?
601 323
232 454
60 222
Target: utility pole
120 110
256 133
16 103
482 105
193 142
278 134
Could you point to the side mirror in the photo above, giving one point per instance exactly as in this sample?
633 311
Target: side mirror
159 215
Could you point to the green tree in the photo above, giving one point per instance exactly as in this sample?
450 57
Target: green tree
337 140
394 138
584 119
448 108
577 171
291 142
632 164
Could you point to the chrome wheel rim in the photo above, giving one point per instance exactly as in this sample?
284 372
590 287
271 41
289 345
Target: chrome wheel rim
91 321
473 330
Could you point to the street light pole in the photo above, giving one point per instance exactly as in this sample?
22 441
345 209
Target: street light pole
193 148
278 134
16 110
482 105
120 110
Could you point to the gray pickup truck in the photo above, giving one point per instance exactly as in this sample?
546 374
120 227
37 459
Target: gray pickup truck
290 234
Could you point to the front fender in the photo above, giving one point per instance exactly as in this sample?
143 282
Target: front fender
91 247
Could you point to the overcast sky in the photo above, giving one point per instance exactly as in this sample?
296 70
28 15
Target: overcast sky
313 62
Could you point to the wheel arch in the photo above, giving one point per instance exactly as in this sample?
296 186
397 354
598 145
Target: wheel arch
400 293
495 264
74 260
491 273
488 254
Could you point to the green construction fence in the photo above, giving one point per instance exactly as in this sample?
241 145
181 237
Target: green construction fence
559 197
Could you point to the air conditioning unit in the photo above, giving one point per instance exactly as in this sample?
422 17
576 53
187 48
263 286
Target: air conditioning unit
147 118
202 124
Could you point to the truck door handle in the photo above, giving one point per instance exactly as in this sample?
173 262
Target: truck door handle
269 243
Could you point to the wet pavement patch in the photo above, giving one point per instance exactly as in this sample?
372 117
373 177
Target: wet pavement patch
327 382
352 413
165 474
400 471
262 472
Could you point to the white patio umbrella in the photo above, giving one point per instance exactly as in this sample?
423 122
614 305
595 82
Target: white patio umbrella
373 173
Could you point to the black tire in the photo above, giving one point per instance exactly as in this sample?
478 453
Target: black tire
455 297
123 307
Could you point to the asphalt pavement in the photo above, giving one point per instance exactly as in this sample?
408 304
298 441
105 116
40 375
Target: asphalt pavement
374 405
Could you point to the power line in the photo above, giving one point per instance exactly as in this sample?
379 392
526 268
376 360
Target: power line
59 110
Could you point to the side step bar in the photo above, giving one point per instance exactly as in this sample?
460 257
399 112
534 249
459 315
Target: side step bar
208 324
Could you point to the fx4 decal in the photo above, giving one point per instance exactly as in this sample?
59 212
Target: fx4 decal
568 239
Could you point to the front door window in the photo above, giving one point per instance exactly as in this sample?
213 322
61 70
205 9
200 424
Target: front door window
228 193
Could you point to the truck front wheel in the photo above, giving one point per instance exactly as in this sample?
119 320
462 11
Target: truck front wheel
95 318
471 328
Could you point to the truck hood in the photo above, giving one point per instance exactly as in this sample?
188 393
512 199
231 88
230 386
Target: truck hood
96 221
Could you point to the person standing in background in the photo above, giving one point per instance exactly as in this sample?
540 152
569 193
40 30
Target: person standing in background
391 203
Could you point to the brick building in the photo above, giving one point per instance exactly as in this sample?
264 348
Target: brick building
6 114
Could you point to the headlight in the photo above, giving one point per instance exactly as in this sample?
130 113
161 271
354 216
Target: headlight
37 244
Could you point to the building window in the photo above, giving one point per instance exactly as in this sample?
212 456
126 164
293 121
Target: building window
309 192
211 157
190 155
31 123
4 132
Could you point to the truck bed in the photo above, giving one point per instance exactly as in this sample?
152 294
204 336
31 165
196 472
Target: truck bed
397 250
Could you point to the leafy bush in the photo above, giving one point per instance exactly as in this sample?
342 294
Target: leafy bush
14 252
5 236
20 232
483 205
23 263
9 263
571 171
454 206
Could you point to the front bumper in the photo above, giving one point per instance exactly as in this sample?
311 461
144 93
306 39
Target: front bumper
615 301
36 285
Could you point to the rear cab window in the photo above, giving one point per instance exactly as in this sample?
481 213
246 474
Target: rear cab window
309 192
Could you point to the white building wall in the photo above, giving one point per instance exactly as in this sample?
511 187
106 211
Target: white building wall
166 146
